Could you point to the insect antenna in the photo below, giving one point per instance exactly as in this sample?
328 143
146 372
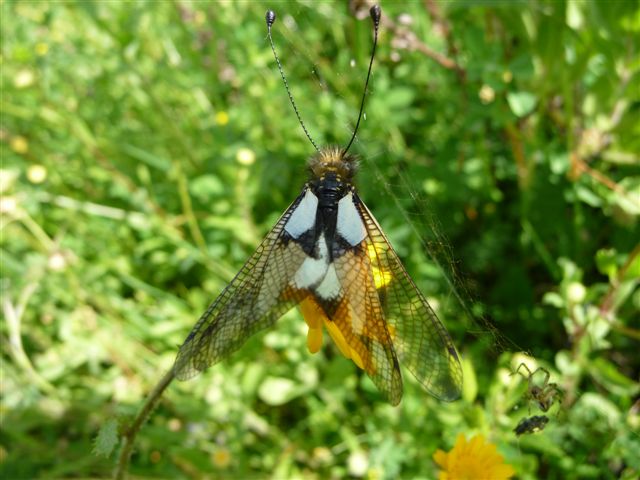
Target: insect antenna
375 13
270 17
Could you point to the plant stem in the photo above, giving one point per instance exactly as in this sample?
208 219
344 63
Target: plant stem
130 434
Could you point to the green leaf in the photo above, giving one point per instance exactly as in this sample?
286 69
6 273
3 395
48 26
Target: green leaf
276 391
399 98
633 270
146 156
606 262
470 384
107 438
628 199
624 291
588 196
608 375
521 103
554 299
206 186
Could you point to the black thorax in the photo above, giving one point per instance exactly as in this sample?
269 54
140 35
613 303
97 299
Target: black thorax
329 189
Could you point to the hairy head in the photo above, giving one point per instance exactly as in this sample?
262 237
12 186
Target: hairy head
333 160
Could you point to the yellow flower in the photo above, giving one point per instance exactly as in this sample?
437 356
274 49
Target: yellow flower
476 459
221 457
222 118
19 144
42 48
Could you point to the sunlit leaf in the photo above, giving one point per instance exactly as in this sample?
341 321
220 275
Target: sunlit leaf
521 103
278 390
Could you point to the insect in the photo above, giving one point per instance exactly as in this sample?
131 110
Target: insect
328 255
531 424
543 395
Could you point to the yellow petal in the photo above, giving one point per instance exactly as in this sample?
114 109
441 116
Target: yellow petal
472 459
503 472
440 457
475 444
460 442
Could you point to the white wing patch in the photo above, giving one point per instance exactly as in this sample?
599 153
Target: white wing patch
303 217
330 286
349 224
318 273
313 270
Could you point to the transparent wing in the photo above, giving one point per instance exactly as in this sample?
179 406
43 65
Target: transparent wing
257 296
360 319
420 341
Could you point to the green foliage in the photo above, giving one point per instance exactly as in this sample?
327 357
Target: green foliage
147 147
107 438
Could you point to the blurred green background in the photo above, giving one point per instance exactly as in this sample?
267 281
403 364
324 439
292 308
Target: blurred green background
147 147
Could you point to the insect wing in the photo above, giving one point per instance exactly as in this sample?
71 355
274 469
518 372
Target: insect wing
258 295
360 320
420 340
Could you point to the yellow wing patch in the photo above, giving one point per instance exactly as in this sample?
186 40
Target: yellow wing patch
381 276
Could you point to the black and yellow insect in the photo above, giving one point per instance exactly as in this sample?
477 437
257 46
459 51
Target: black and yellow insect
328 255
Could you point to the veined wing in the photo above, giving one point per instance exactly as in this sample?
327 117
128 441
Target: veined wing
420 341
258 295
360 320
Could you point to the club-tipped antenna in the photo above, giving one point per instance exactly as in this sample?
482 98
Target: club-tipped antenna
375 13
270 17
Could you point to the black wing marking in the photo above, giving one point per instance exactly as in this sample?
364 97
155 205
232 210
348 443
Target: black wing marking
258 295
420 340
